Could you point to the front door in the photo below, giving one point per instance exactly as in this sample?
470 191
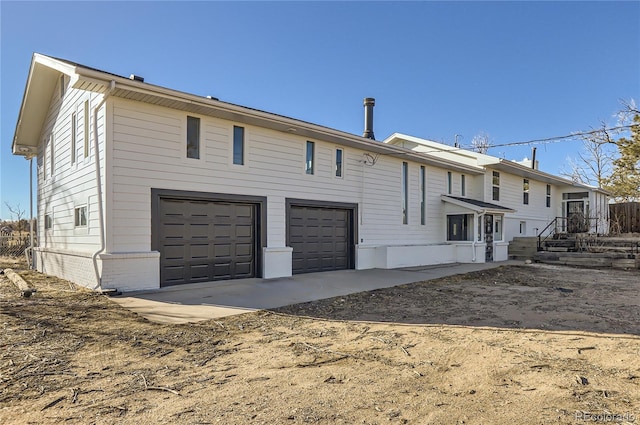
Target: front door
576 222
488 237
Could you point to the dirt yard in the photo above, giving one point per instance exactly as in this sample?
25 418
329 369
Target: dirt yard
519 345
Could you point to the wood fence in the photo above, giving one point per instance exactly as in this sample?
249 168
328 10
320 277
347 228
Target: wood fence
624 218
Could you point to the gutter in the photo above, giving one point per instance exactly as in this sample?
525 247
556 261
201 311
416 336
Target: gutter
94 257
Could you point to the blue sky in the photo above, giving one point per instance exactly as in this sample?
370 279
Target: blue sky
515 70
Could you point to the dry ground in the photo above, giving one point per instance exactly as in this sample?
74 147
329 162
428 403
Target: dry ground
518 345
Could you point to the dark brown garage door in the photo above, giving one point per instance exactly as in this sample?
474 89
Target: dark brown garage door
201 240
321 238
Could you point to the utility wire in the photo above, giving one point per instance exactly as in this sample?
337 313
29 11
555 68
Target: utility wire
569 137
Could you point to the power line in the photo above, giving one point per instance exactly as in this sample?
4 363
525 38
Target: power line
563 138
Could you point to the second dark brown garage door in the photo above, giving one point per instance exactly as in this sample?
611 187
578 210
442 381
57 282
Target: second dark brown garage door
321 238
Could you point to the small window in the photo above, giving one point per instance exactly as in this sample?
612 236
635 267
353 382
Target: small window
449 183
238 145
45 160
80 217
423 195
339 154
405 193
525 191
74 134
48 222
193 137
548 196
86 128
496 186
308 166
463 185
459 227
51 153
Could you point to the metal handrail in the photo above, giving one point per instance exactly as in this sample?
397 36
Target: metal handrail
554 223
565 225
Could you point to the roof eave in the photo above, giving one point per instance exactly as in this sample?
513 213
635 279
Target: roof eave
96 81
41 81
476 208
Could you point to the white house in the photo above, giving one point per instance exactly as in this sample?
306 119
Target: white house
538 199
140 186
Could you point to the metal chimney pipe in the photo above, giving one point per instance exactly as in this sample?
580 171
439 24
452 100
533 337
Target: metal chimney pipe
533 158
369 103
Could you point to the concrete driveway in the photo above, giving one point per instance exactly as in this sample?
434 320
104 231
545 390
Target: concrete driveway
204 301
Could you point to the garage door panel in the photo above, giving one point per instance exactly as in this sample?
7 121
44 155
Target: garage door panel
174 252
222 230
174 273
244 269
319 237
244 231
206 240
170 230
199 251
244 250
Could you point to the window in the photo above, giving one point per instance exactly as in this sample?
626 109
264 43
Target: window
48 222
459 227
308 165
423 195
44 158
51 153
463 185
339 154
86 128
449 183
80 216
74 134
548 196
578 195
497 228
193 137
405 193
238 145
496 186
525 191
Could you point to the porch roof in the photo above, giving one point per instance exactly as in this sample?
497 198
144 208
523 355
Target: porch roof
476 205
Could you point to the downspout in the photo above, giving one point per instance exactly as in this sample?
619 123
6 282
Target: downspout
28 251
112 86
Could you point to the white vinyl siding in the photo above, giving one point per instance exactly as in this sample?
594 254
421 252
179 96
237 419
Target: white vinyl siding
74 181
148 145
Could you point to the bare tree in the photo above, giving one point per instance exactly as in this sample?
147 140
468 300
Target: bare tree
481 143
594 163
628 112
17 215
